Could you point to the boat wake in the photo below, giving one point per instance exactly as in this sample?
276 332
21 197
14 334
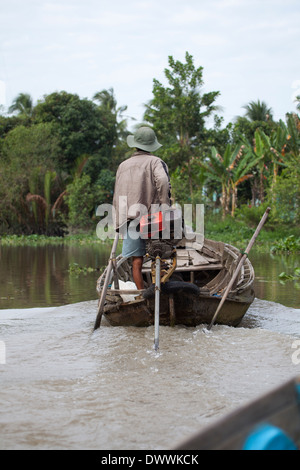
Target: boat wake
274 317
66 386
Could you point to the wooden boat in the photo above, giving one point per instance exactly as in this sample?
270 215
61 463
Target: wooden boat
190 296
271 422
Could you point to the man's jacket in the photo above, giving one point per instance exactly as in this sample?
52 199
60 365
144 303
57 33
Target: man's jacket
142 179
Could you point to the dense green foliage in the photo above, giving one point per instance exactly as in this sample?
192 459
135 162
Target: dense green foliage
58 161
290 244
58 158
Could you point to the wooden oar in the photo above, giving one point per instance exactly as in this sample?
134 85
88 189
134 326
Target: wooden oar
240 264
110 266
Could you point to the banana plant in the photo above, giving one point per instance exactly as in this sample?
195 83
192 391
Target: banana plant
274 149
241 170
231 170
293 145
217 167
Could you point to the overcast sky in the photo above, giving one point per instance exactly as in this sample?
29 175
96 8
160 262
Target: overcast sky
249 49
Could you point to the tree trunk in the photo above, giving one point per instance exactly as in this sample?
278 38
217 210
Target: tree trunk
275 173
262 189
233 200
225 200
254 191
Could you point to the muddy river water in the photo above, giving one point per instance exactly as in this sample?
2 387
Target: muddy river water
63 386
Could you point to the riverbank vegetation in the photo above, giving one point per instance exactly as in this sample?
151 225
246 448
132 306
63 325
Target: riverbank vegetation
283 239
58 160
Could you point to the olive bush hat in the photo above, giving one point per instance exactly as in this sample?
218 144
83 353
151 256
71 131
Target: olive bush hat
144 139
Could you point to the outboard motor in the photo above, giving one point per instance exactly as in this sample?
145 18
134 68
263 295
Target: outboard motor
162 231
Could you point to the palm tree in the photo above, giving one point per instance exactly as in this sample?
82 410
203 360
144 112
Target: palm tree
22 104
108 103
258 111
44 211
297 100
106 99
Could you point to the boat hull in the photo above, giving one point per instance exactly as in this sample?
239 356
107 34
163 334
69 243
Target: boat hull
192 294
179 309
248 427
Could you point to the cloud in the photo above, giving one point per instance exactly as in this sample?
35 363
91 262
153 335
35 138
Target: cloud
2 93
83 47
187 15
210 40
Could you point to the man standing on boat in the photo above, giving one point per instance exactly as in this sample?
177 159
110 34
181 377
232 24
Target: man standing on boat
141 181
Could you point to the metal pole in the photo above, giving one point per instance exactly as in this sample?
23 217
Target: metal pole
157 303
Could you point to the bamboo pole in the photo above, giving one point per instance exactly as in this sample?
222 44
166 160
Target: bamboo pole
240 264
110 266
